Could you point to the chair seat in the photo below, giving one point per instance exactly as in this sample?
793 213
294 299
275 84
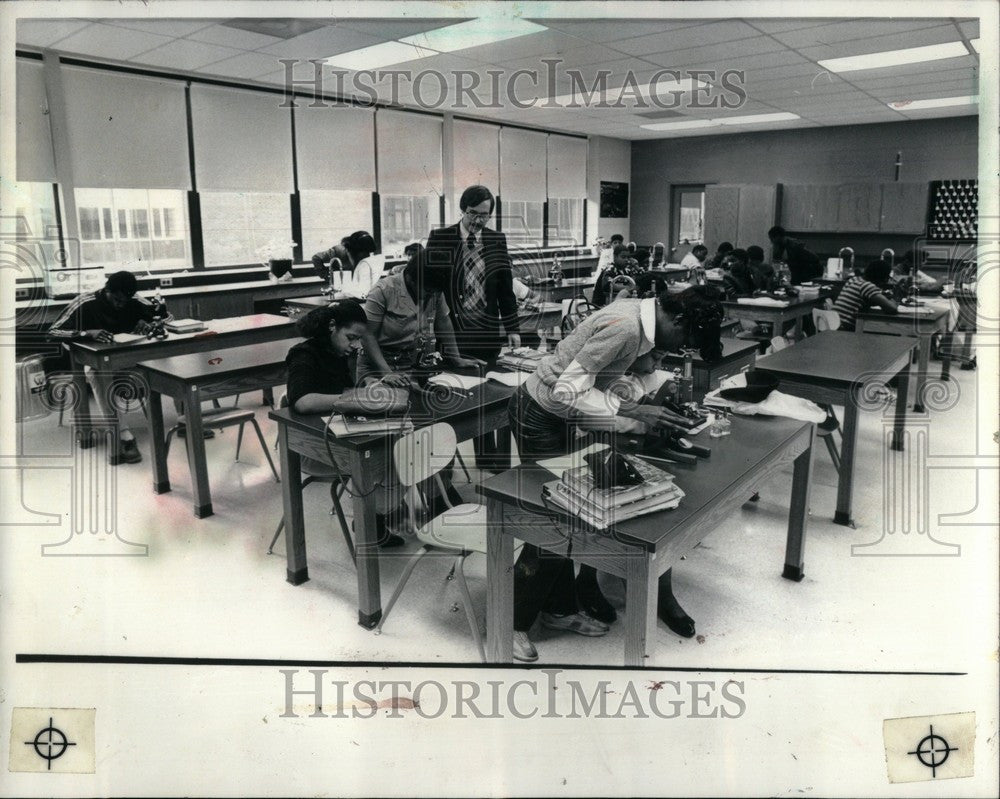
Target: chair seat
223 417
461 528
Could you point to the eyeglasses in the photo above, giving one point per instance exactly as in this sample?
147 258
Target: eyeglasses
479 215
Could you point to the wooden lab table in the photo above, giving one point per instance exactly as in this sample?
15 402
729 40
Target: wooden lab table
194 378
641 549
838 367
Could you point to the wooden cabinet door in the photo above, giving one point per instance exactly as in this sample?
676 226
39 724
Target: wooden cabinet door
826 207
722 208
757 215
859 207
904 207
224 304
797 203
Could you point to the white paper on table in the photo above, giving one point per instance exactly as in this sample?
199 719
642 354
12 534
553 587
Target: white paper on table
561 463
917 309
458 382
127 338
766 301
512 379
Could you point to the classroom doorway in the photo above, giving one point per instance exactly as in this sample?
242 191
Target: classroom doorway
687 216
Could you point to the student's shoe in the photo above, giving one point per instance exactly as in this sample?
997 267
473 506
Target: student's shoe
128 452
524 650
829 424
579 623
968 366
590 599
676 619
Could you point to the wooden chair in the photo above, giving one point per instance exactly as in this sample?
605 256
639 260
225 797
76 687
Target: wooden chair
219 418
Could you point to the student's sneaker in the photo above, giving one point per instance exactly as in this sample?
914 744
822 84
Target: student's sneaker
579 623
128 452
524 650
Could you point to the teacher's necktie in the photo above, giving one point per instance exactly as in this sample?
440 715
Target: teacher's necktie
474 296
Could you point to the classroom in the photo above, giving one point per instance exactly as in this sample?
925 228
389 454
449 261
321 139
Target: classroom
529 340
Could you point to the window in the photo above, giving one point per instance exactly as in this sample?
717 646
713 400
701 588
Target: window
32 225
328 216
565 222
115 229
688 220
522 222
404 220
245 227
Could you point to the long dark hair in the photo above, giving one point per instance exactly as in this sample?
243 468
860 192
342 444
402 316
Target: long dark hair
359 244
316 323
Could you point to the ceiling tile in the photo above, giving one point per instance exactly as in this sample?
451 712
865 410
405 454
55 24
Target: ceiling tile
844 32
754 46
609 30
779 25
108 41
186 54
934 90
246 65
327 41
234 37
44 32
694 36
164 27
922 71
542 44
389 29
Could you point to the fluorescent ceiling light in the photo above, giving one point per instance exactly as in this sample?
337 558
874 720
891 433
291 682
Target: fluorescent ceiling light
937 102
379 55
754 119
612 93
975 44
894 58
684 124
473 33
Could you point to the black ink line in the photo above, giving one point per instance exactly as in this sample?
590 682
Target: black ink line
412 664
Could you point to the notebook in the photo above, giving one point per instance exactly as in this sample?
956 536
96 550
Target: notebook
458 382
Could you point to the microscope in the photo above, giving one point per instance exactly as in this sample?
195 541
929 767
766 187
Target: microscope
157 329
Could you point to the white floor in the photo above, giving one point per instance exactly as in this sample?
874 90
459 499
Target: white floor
206 587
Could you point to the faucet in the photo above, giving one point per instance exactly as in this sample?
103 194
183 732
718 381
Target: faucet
331 287
840 255
892 255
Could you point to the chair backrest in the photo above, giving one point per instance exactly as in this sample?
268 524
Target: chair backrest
424 452
825 320
574 311
778 343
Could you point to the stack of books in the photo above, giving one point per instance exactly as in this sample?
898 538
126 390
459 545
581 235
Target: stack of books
184 326
602 508
523 359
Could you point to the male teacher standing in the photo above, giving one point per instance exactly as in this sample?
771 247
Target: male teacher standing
481 297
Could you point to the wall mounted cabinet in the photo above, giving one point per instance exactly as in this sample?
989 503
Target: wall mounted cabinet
855 208
739 214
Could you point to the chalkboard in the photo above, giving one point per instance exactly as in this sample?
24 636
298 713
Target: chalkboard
614 200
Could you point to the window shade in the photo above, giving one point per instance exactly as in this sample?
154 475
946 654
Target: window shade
567 167
409 153
522 165
477 156
242 141
335 148
126 132
34 136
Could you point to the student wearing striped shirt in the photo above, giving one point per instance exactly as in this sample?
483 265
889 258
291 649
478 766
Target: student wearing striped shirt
860 292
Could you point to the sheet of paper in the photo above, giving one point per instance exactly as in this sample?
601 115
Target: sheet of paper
459 382
561 463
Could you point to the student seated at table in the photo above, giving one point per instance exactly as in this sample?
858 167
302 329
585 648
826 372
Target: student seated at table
607 254
408 323
860 292
319 371
739 280
569 390
696 257
717 260
763 273
623 265
98 316
904 274
357 257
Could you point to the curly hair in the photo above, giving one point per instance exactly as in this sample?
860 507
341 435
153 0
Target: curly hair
316 323
700 312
